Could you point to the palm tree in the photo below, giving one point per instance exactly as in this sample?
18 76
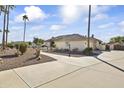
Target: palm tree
25 18
2 7
4 26
7 26
88 42
1 10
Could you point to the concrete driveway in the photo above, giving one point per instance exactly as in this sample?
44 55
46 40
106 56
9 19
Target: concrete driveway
114 57
68 72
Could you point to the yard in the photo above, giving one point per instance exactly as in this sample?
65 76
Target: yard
10 61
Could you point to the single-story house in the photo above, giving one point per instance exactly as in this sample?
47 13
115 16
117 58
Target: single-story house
115 46
75 41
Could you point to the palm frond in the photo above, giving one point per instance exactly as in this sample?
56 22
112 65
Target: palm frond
25 17
12 6
2 8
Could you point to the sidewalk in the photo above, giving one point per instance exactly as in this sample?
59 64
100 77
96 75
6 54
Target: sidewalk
65 72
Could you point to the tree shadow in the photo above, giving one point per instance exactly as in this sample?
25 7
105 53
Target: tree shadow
8 56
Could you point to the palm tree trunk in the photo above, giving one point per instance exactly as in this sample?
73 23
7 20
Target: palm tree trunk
89 26
24 30
7 25
4 26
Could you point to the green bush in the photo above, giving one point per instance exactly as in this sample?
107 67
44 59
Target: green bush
75 50
88 51
10 45
17 45
29 43
23 47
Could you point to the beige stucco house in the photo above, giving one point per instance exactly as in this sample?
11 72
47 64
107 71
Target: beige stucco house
116 46
75 41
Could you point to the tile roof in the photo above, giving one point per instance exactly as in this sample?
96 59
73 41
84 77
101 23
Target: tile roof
71 37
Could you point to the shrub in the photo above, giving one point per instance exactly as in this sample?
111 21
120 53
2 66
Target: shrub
38 41
65 50
23 47
16 54
10 45
88 51
17 45
29 43
75 50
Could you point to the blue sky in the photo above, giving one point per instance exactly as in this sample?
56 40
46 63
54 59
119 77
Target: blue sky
46 21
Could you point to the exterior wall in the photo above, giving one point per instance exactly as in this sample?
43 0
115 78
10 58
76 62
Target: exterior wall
73 44
95 44
111 47
47 44
46 48
81 45
116 47
102 47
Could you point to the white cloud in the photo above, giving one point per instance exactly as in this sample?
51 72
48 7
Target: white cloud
69 13
100 16
121 23
106 25
57 27
37 28
72 13
97 17
100 9
19 18
121 26
33 13
16 27
99 12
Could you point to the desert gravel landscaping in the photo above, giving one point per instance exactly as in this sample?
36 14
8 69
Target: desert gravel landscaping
10 61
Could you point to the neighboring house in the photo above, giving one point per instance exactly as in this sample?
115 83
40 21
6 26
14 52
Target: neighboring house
116 46
102 46
75 41
46 45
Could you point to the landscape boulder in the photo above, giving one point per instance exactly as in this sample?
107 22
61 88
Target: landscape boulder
1 60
